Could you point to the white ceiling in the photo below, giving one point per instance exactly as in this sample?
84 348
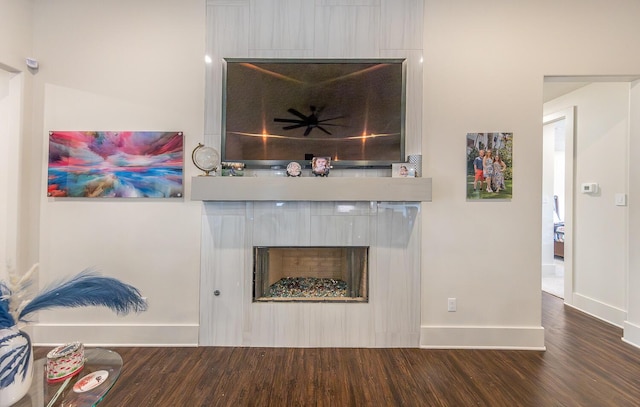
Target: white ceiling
552 90
556 86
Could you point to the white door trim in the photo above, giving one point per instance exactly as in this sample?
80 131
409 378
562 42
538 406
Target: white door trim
568 115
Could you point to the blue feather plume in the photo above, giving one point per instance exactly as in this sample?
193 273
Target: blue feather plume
88 288
6 319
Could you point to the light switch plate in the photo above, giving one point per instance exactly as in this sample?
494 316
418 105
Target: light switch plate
621 199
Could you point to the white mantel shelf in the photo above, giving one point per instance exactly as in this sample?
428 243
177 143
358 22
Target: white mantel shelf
383 189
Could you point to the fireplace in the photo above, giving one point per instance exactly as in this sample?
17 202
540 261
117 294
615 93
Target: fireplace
316 274
385 312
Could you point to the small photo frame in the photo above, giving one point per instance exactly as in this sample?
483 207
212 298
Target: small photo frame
320 166
294 169
403 170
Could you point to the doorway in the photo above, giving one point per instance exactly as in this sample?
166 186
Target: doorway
598 285
557 203
10 114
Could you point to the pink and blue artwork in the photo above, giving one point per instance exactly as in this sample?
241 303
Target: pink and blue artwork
115 164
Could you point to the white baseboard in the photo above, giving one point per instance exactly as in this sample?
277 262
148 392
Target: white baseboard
114 334
631 334
598 309
475 337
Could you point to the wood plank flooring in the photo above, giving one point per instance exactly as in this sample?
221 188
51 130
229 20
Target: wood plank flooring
586 364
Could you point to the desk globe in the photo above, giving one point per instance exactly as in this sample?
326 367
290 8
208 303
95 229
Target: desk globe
205 159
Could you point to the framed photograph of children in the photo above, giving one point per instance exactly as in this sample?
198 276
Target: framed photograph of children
489 166
320 166
403 170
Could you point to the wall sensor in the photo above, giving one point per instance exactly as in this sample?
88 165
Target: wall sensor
32 63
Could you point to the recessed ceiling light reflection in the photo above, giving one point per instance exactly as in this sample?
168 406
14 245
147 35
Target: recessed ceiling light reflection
323 138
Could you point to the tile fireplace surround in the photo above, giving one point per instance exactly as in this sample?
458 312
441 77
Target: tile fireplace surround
257 211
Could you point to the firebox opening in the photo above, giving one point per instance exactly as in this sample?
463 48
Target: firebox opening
311 274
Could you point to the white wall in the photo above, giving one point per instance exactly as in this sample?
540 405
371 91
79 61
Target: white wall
484 69
137 65
19 230
600 227
4 168
549 169
485 254
559 162
15 32
121 65
11 100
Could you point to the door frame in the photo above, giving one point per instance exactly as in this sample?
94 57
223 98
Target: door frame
10 165
568 115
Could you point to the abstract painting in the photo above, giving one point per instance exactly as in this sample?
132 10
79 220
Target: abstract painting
115 164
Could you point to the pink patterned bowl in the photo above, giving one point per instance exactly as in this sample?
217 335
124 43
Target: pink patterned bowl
64 361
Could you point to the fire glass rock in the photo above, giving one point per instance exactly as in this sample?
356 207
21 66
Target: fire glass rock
308 287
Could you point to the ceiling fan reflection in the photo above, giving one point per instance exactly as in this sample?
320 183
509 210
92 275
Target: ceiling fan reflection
310 122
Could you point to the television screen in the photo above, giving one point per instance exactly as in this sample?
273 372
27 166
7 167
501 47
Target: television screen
276 111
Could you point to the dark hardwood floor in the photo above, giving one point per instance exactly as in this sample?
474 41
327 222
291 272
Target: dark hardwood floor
586 364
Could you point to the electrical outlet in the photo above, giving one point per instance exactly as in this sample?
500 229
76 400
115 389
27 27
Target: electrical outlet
451 305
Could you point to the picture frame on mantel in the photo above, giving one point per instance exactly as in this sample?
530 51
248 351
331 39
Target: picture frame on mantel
320 166
489 171
403 170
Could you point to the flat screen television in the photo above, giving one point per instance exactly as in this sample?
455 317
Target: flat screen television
280 110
